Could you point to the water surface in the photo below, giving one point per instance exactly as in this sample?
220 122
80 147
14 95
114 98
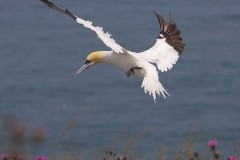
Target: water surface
41 50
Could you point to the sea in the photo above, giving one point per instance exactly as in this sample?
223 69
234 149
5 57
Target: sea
101 109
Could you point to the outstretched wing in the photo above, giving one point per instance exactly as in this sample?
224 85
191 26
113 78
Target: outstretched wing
168 47
105 37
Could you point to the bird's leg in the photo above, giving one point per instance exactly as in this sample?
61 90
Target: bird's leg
131 71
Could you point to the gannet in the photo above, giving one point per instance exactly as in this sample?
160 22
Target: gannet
162 55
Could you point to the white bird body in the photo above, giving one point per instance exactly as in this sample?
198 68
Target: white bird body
164 53
123 61
148 71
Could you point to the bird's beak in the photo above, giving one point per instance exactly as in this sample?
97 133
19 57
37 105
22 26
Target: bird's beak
85 66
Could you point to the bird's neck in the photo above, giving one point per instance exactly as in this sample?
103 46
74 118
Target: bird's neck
119 60
108 57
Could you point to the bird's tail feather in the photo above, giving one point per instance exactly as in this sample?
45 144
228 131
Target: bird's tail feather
153 87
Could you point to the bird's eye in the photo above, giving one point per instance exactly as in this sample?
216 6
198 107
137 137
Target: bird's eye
87 61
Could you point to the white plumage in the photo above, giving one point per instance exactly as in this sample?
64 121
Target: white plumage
105 37
164 53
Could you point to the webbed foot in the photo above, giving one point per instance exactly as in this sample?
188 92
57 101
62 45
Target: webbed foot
131 71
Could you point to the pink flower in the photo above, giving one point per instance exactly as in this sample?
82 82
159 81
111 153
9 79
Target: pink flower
213 143
4 156
232 158
41 157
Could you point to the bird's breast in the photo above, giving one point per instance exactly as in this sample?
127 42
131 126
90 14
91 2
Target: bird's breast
123 61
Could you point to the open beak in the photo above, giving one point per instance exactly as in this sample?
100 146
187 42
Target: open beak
85 66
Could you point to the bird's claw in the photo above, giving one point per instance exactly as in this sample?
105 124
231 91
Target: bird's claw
131 71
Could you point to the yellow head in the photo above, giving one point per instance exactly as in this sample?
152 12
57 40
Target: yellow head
92 58
95 56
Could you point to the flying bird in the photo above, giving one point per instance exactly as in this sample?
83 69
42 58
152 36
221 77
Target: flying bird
161 56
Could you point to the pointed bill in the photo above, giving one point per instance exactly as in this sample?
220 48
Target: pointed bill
85 66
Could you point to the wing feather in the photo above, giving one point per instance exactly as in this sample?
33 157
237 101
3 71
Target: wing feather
105 37
164 53
169 45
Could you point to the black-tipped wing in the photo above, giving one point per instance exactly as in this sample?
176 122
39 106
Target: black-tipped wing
168 47
164 53
51 5
171 33
105 37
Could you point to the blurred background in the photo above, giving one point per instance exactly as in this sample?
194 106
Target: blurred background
42 49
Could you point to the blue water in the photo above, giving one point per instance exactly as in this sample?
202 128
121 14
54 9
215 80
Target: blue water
41 50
